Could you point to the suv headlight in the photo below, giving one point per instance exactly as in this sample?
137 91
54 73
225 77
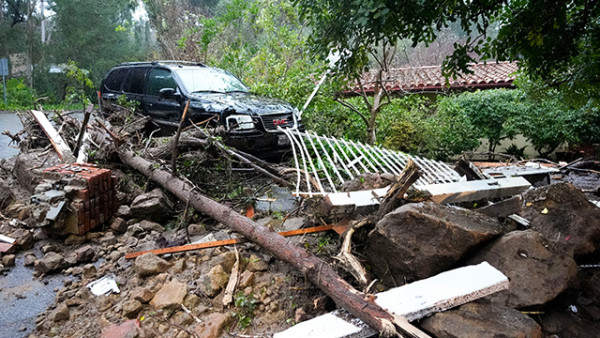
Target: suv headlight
239 122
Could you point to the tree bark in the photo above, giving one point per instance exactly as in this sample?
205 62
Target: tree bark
316 270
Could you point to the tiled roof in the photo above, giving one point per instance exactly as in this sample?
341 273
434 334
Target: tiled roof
429 78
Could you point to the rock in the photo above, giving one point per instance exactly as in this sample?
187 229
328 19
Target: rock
151 226
196 230
213 326
89 270
479 319
40 234
50 248
570 218
300 315
74 239
246 279
538 270
84 254
425 239
212 282
151 205
256 264
124 211
23 238
170 296
128 329
119 224
142 295
284 202
108 238
60 313
131 308
226 260
191 301
182 318
179 266
150 264
8 260
49 263
30 258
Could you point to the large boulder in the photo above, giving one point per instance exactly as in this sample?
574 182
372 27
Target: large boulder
538 270
562 213
152 205
170 295
425 239
150 264
481 319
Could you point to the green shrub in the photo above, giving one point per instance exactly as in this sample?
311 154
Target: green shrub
18 95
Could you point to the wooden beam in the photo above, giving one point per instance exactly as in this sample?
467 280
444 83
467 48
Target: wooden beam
62 148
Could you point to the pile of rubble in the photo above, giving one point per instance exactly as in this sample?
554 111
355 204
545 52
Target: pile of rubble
83 222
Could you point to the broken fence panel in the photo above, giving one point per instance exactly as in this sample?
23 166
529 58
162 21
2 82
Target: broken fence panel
412 301
335 159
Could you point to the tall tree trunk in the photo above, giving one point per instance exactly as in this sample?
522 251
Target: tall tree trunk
320 273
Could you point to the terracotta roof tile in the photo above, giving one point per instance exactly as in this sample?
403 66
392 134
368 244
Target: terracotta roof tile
429 78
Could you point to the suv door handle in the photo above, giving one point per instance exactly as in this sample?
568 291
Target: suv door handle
150 104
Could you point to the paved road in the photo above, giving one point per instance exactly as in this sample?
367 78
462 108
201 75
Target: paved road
8 121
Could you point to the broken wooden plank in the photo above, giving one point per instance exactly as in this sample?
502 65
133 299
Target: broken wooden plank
7 239
413 301
440 193
62 148
475 190
198 246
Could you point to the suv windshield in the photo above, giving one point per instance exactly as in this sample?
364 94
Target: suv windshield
209 80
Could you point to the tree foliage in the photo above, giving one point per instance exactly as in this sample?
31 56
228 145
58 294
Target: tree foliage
551 38
95 36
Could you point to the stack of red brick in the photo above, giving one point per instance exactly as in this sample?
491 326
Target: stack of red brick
93 192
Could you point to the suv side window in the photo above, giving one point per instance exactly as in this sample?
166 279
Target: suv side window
115 79
135 80
158 79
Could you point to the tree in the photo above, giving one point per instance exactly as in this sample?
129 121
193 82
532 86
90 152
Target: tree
96 36
558 41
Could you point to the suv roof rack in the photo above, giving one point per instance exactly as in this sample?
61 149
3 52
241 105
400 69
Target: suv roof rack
156 62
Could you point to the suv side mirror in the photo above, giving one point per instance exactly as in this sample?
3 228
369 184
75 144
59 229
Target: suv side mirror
167 93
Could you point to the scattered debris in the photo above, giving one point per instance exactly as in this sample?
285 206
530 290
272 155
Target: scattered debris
103 286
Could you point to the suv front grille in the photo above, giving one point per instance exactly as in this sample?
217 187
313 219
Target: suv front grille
271 122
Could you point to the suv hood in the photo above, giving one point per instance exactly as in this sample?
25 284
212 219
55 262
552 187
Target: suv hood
244 103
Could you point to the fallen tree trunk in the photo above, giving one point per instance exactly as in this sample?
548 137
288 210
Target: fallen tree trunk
315 269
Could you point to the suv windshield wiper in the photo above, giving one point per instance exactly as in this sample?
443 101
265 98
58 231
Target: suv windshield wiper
237 91
208 91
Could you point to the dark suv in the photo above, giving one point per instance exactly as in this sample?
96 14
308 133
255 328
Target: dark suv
162 89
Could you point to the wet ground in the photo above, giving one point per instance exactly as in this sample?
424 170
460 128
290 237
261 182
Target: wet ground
23 297
8 121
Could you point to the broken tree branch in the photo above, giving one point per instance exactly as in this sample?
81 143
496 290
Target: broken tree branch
174 150
408 176
86 119
315 269
243 159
